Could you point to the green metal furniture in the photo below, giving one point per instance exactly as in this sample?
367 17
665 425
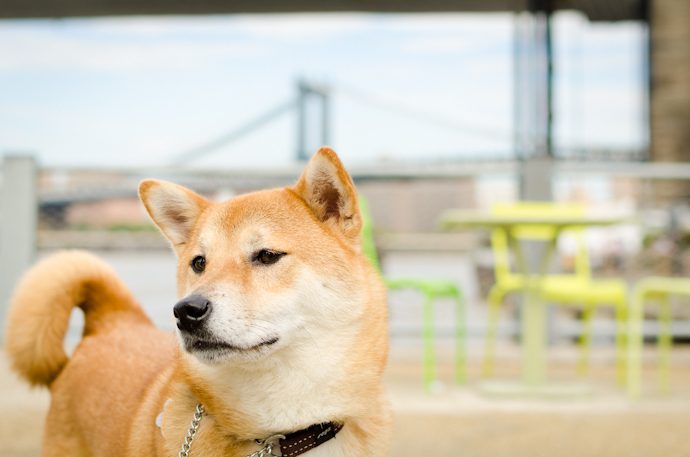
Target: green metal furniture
432 290
540 221
577 288
652 289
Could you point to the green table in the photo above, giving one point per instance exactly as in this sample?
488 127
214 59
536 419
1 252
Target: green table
533 321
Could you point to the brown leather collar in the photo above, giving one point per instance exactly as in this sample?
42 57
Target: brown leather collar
301 441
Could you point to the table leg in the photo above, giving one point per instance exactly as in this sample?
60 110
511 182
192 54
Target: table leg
533 318
635 342
533 339
665 343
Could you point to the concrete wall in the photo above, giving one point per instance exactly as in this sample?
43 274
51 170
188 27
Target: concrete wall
416 206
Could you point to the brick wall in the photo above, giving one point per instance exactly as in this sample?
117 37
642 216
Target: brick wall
670 89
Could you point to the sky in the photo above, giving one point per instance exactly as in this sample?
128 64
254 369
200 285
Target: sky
141 91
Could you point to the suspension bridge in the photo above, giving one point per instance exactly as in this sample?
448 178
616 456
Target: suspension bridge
311 107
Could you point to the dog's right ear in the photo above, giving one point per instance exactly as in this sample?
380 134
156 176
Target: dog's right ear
174 209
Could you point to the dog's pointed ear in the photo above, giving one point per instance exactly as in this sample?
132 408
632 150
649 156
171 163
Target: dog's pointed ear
328 190
173 208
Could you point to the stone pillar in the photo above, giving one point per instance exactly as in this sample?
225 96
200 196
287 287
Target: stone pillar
670 91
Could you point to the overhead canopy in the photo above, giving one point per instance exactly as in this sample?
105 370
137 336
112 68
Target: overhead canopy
595 10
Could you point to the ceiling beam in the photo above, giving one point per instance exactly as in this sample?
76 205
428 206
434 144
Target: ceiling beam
607 10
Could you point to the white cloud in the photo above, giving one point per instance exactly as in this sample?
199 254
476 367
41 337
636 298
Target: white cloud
443 45
263 26
45 51
444 23
138 43
299 26
156 27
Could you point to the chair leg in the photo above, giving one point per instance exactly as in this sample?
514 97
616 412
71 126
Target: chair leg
460 339
429 359
664 343
495 300
585 341
635 343
621 341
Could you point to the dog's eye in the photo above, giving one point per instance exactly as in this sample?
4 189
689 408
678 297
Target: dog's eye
267 257
198 264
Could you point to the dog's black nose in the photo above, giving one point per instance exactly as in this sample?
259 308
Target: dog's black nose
191 312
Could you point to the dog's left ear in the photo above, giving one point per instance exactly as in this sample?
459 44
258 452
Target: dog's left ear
328 190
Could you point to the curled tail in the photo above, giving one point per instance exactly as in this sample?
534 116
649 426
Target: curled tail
42 304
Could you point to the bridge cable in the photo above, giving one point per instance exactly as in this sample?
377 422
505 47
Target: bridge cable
421 115
233 135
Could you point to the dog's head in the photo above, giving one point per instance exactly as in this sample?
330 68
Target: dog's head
263 270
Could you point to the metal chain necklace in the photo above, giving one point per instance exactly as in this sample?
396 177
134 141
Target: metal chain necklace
193 427
265 451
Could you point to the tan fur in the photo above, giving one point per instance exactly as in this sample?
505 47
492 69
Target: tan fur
41 307
323 299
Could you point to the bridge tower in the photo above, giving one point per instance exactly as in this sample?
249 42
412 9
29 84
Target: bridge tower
313 118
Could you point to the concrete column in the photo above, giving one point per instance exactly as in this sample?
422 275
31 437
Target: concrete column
670 91
536 184
536 179
18 223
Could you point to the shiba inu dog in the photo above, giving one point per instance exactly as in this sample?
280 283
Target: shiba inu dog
281 341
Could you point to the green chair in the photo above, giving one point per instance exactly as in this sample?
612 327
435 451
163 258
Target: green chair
431 289
659 290
577 288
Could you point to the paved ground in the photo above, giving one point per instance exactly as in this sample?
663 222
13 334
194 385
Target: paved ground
462 422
